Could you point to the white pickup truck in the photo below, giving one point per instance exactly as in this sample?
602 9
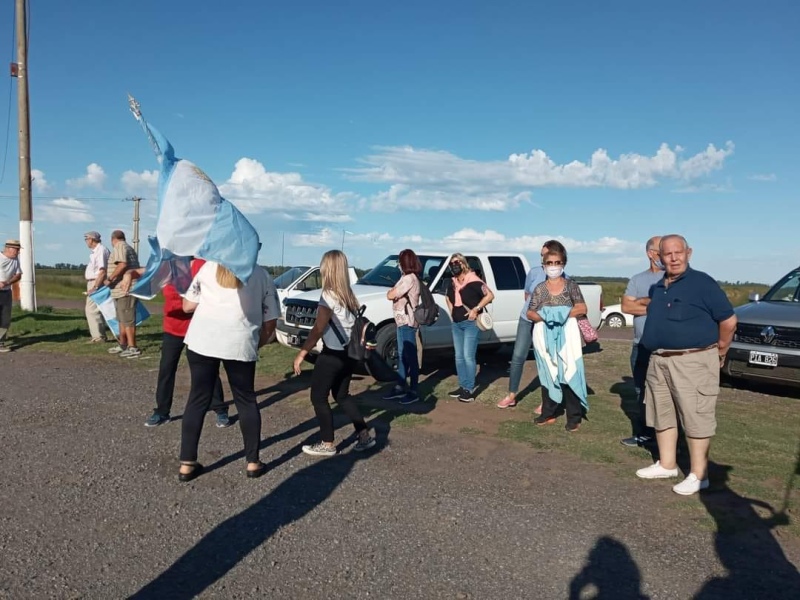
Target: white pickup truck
503 272
298 280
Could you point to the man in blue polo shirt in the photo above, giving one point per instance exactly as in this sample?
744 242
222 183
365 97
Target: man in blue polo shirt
689 328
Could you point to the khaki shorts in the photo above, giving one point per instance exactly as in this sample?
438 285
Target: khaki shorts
126 310
685 386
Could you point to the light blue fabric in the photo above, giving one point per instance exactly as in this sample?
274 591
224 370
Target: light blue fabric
193 220
105 303
555 318
163 268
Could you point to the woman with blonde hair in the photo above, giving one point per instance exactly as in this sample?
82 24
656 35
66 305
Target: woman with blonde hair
231 322
333 368
466 297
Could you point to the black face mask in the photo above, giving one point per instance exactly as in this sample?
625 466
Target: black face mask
455 269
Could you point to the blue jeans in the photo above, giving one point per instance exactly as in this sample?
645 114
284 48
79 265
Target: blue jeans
522 346
407 364
640 359
465 343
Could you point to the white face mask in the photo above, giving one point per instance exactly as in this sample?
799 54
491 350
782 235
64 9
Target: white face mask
554 272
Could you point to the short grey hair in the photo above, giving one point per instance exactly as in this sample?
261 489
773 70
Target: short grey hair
673 236
651 243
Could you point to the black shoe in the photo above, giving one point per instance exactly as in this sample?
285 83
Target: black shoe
466 396
256 473
456 393
184 477
630 442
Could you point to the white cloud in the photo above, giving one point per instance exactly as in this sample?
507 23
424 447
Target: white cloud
438 180
763 177
255 190
142 184
95 177
64 210
40 184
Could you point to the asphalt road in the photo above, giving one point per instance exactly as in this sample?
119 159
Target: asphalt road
91 508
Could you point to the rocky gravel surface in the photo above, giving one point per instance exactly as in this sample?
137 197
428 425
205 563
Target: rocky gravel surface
90 507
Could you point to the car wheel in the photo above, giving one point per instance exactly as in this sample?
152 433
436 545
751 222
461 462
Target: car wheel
615 320
383 367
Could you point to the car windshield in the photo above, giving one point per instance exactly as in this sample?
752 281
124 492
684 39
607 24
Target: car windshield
786 290
387 273
284 279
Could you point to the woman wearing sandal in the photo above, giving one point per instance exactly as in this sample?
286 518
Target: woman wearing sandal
522 344
333 367
231 321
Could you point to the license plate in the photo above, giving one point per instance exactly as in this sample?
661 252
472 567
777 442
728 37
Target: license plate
294 340
767 359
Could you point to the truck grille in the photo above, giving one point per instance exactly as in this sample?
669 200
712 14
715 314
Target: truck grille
785 337
301 313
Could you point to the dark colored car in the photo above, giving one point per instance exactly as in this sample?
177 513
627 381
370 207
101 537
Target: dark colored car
766 345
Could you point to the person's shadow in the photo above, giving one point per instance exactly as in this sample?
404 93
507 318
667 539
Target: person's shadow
610 572
756 564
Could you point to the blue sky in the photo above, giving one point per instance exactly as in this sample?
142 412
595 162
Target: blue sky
455 125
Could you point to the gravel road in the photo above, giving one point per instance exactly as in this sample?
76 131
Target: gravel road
91 508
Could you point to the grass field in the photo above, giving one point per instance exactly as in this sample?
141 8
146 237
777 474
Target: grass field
755 453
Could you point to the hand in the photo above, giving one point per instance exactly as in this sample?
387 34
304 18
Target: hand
2 285
125 286
298 361
722 359
472 314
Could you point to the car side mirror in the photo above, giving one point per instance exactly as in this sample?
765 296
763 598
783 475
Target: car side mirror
754 297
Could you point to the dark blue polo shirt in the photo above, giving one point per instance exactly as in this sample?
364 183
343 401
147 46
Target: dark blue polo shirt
686 314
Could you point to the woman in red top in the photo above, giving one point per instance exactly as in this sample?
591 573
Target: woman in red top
176 323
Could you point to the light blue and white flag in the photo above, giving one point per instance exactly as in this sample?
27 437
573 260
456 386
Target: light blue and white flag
105 303
193 219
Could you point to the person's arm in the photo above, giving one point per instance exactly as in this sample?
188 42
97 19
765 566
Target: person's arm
14 279
267 329
323 318
191 299
534 306
635 306
579 308
400 289
120 266
488 296
189 306
127 279
726 330
270 311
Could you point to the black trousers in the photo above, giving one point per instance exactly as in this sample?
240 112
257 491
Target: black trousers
241 377
332 373
570 404
171 350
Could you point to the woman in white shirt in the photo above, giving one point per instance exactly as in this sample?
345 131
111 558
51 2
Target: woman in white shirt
333 368
231 322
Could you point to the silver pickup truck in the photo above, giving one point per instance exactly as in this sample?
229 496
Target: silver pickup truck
503 272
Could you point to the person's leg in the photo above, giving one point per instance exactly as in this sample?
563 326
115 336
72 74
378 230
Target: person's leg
94 318
572 407
409 356
204 370
171 349
667 440
402 370
326 368
340 387
522 346
131 328
218 398
6 303
458 348
241 377
471 333
119 307
641 361
698 456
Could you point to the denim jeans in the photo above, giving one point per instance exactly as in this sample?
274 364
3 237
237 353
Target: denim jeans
407 364
522 346
640 359
465 343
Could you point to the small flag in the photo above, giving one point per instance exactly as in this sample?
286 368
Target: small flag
105 303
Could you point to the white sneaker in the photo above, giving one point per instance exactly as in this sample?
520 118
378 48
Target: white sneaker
656 471
690 485
130 352
116 350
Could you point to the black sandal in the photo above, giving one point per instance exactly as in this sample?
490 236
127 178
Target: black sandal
256 473
185 477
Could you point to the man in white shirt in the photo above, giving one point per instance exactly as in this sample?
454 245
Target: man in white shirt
95 275
10 273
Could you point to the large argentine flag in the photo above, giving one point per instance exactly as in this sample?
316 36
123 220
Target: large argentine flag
193 219
105 303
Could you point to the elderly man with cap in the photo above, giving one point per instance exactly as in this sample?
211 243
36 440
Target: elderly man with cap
10 273
95 274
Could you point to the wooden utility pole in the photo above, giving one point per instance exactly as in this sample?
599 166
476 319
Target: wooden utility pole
135 240
20 71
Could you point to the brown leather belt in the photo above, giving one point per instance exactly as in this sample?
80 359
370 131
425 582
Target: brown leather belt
668 353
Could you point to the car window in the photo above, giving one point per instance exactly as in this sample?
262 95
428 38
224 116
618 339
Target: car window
509 274
786 290
311 283
444 283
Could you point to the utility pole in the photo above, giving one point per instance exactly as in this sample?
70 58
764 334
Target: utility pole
19 70
135 240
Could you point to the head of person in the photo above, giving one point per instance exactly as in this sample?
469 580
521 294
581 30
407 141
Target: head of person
553 246
652 251
459 264
334 270
226 279
117 236
675 254
92 238
554 262
11 249
409 262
